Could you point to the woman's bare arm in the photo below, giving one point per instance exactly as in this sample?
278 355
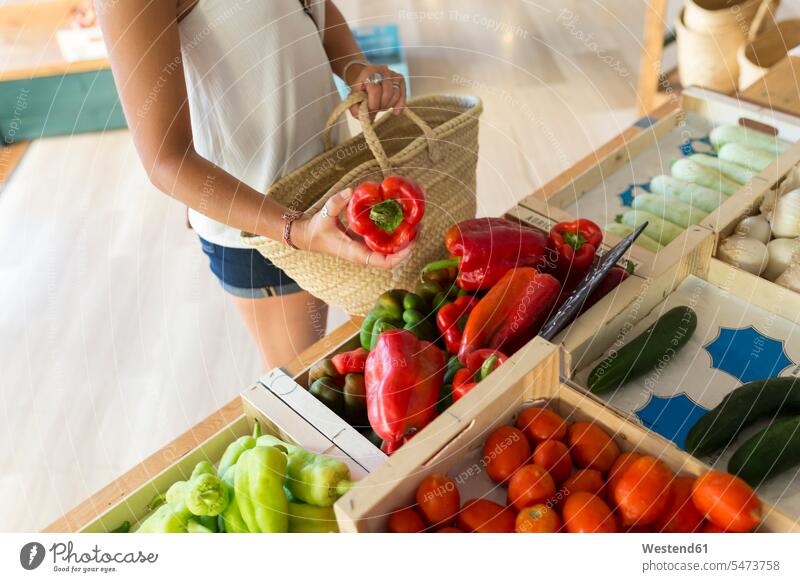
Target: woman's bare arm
342 48
144 50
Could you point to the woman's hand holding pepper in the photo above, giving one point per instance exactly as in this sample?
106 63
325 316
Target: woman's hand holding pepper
323 233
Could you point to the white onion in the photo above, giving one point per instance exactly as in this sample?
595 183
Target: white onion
780 255
790 278
746 253
786 215
755 227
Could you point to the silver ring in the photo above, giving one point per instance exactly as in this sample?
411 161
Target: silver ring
375 79
397 86
325 212
369 256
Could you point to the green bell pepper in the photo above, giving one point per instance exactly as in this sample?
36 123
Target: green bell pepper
304 518
313 479
355 400
258 489
206 494
236 448
327 391
231 518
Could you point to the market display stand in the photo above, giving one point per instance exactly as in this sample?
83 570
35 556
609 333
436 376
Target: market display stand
540 372
119 489
779 89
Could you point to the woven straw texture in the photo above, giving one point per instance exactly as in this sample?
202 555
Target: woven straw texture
435 143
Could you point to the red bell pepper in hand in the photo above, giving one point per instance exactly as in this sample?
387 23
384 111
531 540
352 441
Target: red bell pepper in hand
351 362
511 313
403 377
480 364
484 249
452 318
386 214
574 245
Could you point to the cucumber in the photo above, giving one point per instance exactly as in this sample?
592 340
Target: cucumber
725 134
769 452
694 195
644 241
654 347
746 156
662 231
669 209
741 408
694 173
736 172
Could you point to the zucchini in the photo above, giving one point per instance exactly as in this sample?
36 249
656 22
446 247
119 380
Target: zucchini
734 171
769 452
644 241
662 231
741 408
669 209
694 173
654 347
694 195
725 134
746 156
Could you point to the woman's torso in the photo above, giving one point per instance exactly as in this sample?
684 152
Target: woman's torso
260 88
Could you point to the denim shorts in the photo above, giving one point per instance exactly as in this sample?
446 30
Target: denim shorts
246 273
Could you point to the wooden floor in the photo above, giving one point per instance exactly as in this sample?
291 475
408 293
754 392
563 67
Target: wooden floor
115 337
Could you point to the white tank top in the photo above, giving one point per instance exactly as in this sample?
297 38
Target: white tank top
260 89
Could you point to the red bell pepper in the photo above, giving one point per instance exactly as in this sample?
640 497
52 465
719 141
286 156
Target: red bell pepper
480 364
452 318
350 362
511 313
484 249
403 377
574 245
615 276
386 214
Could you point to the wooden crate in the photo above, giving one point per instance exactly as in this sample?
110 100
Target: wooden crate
274 416
728 299
639 153
453 443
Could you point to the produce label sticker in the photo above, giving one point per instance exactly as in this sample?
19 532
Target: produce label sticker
735 342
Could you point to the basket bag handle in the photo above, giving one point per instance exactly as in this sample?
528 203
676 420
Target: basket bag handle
766 9
371 137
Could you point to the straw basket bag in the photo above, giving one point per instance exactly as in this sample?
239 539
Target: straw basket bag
434 142
765 49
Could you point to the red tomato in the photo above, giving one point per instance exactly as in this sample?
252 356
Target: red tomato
711 527
406 520
541 424
530 485
538 519
591 447
727 501
644 491
588 480
681 516
449 530
484 516
624 461
553 456
438 499
587 513
505 451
